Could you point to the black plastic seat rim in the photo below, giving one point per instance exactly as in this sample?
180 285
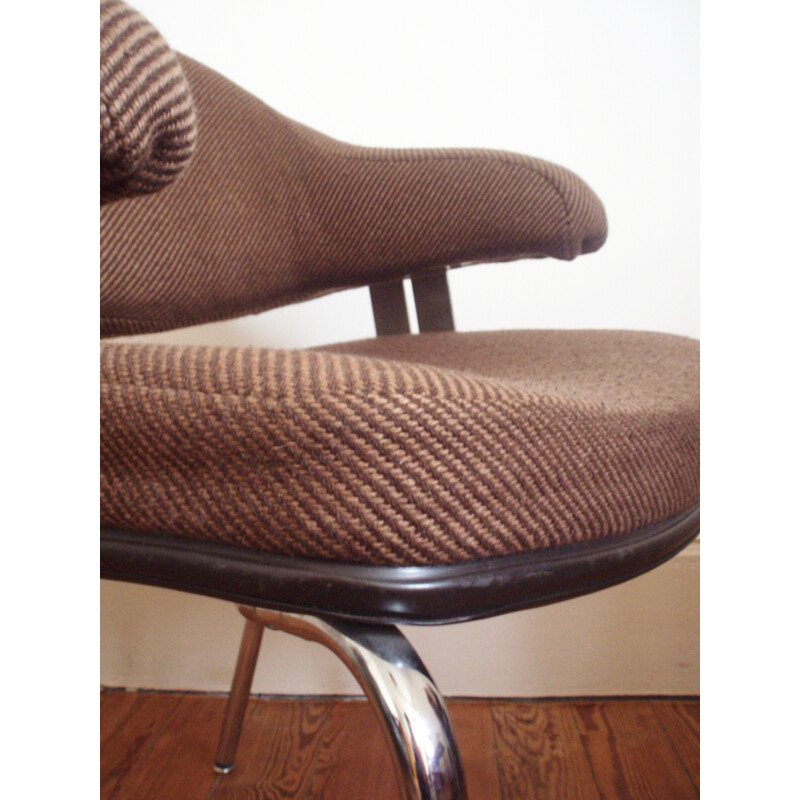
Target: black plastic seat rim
428 595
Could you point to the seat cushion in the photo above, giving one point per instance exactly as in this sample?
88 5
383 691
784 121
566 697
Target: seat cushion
437 448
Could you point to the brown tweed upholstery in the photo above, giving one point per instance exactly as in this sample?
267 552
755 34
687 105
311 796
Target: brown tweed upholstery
404 450
427 449
271 212
147 117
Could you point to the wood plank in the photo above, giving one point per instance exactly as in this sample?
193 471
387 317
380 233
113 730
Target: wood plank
115 708
540 753
474 728
162 745
178 764
132 723
278 751
681 721
631 756
354 760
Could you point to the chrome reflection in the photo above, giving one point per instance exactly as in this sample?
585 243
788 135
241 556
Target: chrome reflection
401 691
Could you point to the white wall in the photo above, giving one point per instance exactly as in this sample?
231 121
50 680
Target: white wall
610 90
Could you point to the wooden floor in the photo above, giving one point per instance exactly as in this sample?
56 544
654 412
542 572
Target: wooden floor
156 746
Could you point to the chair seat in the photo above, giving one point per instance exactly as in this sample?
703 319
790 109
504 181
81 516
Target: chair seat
433 449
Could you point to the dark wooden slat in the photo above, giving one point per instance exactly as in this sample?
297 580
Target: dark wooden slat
133 724
354 760
278 751
681 721
389 308
631 756
540 753
178 764
432 301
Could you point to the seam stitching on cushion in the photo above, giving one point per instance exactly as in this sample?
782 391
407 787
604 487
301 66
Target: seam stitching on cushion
298 131
372 394
509 397
466 155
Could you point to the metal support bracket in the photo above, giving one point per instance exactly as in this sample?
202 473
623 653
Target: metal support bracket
394 679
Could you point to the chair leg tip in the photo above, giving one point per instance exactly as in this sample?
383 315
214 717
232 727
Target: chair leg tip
222 769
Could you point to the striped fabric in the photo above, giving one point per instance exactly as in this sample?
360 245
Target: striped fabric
147 117
402 450
271 212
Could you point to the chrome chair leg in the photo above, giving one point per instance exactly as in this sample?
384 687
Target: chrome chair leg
237 700
401 692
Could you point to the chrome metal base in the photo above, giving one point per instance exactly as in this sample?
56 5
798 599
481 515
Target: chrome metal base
402 693
237 699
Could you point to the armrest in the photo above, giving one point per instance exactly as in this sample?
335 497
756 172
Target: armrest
272 212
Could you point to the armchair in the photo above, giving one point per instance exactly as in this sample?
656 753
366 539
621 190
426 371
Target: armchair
334 493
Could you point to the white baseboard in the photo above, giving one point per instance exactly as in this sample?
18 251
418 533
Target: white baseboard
639 638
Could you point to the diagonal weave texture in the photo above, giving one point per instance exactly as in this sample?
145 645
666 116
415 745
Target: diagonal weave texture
428 449
271 212
147 118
